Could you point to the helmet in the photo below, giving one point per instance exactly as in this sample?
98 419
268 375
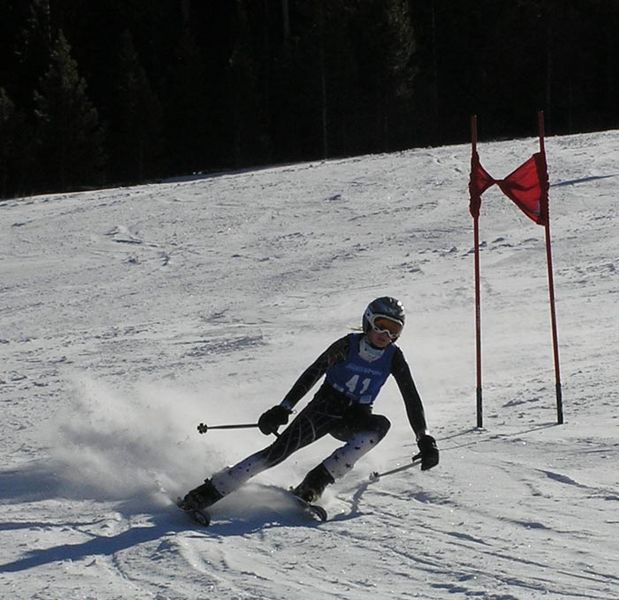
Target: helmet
386 306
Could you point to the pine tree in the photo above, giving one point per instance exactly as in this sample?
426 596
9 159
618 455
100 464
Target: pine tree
310 100
135 137
8 141
386 49
30 50
16 148
187 119
69 135
244 90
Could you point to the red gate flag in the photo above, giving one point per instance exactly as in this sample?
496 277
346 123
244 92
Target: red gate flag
480 181
527 187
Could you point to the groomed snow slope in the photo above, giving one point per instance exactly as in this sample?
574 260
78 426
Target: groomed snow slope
129 315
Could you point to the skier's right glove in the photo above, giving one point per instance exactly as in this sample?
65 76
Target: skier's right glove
271 420
428 452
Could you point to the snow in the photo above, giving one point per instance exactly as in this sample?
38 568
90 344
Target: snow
130 315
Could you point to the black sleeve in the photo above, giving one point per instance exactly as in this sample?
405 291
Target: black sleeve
336 352
414 407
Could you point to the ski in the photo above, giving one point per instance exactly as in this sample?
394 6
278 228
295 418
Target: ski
203 517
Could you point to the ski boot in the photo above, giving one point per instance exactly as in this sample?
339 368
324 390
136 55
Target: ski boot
201 497
314 484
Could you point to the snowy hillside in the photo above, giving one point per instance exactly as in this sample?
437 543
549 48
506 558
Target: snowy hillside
129 315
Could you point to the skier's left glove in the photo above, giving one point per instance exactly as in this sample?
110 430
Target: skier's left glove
271 420
428 452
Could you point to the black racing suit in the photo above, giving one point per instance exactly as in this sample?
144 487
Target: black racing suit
329 412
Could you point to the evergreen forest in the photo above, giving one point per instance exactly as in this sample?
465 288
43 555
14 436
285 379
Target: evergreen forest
114 92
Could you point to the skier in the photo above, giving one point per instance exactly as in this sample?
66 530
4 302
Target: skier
356 367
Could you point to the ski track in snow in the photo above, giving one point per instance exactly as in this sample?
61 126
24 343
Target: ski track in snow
130 315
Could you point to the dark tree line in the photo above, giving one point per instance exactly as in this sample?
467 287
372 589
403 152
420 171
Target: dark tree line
123 91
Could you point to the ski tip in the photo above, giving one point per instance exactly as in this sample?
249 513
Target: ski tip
320 512
314 510
201 517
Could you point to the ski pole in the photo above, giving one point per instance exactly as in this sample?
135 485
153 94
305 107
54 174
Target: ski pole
203 427
416 460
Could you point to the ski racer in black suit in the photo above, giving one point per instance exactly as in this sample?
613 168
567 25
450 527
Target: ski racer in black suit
355 368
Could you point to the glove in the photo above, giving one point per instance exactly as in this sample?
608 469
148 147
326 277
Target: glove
271 420
428 452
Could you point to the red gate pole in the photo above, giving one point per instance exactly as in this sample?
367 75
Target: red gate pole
477 289
551 290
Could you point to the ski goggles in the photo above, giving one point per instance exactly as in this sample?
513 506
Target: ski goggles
385 325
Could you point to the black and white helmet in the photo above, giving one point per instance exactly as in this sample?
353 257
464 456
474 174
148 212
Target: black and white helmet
387 307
